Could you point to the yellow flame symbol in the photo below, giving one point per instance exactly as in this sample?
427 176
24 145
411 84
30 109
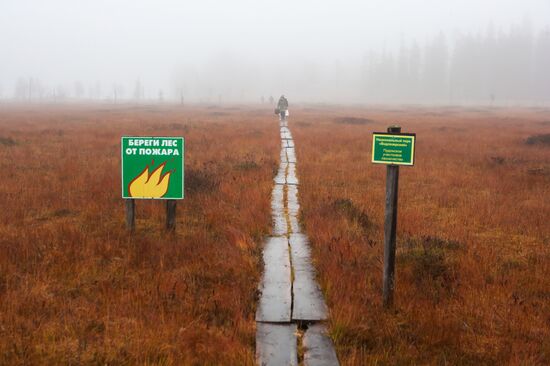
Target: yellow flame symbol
150 185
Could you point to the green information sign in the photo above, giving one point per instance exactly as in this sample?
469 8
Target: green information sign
397 149
152 167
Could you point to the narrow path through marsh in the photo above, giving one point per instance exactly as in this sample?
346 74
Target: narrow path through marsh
291 309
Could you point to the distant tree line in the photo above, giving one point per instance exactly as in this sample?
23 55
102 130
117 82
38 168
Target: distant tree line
493 67
33 89
29 89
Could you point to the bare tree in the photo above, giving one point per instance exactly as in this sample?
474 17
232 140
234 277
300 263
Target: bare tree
541 62
138 90
118 92
21 91
78 89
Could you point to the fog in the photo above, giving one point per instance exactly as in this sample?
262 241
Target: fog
240 51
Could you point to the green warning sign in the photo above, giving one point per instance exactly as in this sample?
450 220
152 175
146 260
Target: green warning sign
391 148
152 167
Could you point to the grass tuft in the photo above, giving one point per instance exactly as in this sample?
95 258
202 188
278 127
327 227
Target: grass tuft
542 139
7 141
353 121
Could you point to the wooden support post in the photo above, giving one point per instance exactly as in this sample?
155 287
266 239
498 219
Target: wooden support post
390 225
130 214
171 215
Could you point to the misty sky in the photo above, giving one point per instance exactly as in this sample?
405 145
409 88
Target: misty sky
158 41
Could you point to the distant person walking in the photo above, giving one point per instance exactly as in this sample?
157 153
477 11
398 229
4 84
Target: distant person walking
282 106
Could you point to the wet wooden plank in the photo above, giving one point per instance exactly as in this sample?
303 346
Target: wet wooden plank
294 225
291 154
292 201
280 225
285 133
291 177
277 199
318 347
276 298
276 344
309 303
281 174
293 207
287 144
284 158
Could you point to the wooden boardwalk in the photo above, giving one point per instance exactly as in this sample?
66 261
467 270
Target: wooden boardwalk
291 308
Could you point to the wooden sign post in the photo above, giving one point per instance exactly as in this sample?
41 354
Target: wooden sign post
393 149
130 214
171 215
152 168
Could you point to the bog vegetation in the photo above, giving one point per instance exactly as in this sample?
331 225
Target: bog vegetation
76 288
473 236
